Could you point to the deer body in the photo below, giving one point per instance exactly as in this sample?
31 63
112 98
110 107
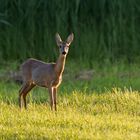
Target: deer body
49 75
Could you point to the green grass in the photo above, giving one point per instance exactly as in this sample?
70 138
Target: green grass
115 114
102 29
105 107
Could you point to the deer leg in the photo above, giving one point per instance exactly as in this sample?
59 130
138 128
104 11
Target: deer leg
21 91
54 95
51 97
25 94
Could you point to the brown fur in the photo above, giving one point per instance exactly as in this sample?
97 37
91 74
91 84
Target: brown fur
49 75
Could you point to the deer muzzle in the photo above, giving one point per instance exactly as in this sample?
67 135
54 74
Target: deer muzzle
64 53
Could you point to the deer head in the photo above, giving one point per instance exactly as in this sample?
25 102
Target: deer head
64 45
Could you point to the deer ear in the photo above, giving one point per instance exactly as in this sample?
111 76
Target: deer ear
58 39
70 38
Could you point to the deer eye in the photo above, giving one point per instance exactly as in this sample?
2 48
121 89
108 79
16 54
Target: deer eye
60 46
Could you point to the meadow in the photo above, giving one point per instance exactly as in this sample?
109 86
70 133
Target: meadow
99 98
105 107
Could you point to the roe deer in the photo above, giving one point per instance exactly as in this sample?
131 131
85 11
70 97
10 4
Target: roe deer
49 75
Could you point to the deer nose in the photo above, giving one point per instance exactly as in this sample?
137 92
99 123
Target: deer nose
63 53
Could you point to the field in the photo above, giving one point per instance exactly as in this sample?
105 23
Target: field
105 107
99 98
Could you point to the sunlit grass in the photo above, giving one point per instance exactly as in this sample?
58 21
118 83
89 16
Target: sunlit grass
114 114
90 109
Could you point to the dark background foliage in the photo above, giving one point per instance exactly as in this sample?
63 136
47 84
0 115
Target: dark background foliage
104 29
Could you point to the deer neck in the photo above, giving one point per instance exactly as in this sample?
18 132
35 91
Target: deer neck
60 64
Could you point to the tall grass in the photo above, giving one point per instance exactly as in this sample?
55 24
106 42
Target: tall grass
103 29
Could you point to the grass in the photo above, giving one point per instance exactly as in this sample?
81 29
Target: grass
102 29
90 109
105 107
115 114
